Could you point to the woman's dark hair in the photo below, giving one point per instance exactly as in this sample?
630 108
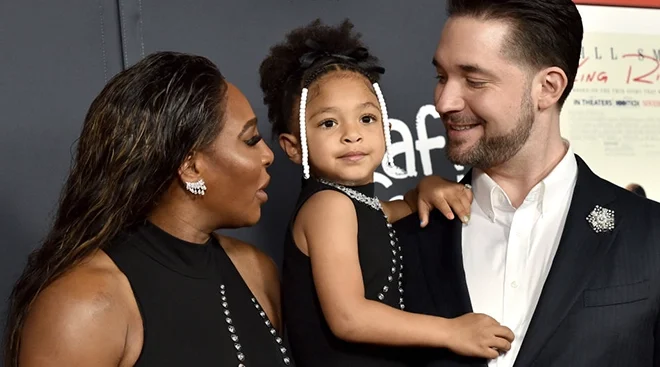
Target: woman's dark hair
308 53
138 131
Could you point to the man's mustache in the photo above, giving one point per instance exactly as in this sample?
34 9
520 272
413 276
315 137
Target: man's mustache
461 119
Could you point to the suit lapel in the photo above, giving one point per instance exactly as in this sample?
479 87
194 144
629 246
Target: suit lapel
579 253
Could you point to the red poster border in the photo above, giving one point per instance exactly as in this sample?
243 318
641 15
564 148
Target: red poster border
624 3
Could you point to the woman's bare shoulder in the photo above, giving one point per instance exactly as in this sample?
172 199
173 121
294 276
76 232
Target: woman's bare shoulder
87 314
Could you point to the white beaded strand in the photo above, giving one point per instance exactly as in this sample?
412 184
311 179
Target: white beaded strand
390 167
396 171
303 133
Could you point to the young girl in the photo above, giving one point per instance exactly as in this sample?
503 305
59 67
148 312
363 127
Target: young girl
342 275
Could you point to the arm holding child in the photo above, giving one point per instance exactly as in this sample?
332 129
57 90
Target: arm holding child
331 243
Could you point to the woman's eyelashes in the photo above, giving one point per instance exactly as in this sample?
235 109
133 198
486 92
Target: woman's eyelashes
253 140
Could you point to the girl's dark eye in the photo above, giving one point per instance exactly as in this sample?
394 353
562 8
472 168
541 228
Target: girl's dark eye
367 119
328 124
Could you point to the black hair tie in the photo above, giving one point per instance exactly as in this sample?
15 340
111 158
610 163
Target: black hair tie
358 56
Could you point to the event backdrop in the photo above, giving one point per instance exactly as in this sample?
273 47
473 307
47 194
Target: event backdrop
56 56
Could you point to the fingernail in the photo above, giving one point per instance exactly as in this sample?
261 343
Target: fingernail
421 222
466 219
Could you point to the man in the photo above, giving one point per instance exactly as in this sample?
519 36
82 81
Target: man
567 260
637 189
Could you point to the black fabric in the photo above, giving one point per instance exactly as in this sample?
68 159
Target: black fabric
312 342
178 288
600 303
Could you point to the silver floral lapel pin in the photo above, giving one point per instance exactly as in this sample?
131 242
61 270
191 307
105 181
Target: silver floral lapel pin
601 219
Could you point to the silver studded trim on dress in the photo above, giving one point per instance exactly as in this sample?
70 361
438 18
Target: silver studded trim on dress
233 334
397 256
272 330
372 202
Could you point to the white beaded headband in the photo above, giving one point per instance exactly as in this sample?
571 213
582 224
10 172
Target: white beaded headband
390 166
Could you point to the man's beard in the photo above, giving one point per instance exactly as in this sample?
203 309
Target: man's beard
492 151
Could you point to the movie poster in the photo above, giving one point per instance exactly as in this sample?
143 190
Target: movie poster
612 117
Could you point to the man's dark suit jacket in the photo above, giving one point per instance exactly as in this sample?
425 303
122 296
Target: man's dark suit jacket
600 304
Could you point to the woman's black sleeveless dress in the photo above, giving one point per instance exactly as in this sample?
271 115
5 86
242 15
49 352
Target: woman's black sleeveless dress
196 309
312 342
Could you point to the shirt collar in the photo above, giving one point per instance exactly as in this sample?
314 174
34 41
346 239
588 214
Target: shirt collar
491 197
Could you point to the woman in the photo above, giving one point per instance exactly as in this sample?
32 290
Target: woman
131 273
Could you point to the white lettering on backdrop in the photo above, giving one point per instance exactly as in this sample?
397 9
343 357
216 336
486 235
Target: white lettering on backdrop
407 146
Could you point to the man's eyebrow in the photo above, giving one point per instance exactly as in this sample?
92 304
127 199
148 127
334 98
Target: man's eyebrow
468 68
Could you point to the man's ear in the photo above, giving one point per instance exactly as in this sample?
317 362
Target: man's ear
290 146
553 83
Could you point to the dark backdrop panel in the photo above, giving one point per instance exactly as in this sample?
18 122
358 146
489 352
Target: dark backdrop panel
55 57
237 35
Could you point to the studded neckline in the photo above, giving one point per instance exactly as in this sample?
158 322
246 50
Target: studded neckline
200 261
